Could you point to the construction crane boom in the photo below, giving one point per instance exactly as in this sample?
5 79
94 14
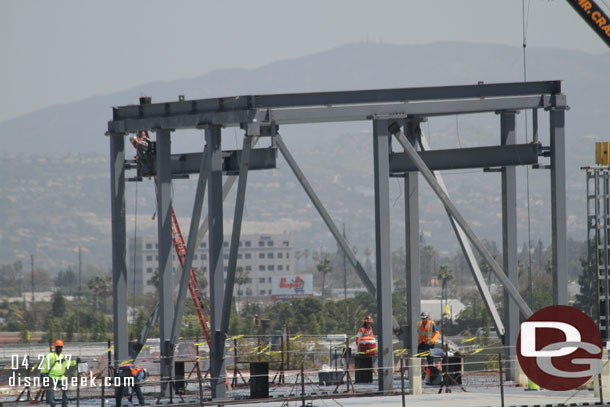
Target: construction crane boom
594 16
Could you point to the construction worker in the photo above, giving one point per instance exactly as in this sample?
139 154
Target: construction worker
365 339
427 335
139 374
54 366
140 141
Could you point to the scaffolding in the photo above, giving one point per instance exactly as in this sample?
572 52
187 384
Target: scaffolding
598 234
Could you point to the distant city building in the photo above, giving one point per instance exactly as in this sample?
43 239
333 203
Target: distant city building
261 256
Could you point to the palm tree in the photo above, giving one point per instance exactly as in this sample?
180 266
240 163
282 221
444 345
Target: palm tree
445 273
324 267
241 278
306 254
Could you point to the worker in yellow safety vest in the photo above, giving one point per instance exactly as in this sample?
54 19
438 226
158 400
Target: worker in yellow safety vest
365 339
427 335
54 366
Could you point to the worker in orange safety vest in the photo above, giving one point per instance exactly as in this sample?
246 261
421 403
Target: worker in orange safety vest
427 335
365 339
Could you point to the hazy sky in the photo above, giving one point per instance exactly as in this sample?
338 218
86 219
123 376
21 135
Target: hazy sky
65 50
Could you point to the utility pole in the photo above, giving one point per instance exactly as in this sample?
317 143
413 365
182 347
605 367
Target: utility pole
80 270
344 269
32 266
32 298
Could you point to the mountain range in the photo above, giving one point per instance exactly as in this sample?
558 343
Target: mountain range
54 193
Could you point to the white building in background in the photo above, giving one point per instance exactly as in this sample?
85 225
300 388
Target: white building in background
434 308
261 256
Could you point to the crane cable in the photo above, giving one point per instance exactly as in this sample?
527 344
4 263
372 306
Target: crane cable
525 23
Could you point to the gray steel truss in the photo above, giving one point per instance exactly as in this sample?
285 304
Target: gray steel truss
558 203
457 216
119 267
509 242
413 264
464 244
381 167
475 157
166 271
406 106
216 266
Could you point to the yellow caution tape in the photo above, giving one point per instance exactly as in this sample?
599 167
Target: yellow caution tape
201 343
371 350
146 347
110 349
236 337
295 337
202 357
232 349
426 353
265 348
477 351
469 339
399 352
274 352
126 362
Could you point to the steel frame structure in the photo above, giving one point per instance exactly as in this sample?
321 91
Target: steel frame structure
389 110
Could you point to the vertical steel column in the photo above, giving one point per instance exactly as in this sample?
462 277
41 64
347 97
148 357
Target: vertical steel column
413 265
217 360
381 152
119 267
509 243
558 205
166 272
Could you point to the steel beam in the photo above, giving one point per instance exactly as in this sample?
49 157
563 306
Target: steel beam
558 205
191 246
381 141
413 265
397 110
237 103
119 267
474 157
235 234
166 272
368 284
427 174
334 113
509 243
216 266
190 163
